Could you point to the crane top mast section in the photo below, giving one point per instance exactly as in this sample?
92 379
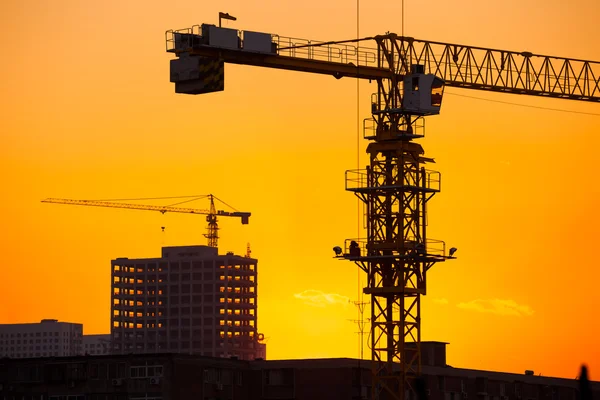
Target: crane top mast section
381 57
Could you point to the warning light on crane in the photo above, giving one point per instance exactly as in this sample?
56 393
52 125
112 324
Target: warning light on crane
337 250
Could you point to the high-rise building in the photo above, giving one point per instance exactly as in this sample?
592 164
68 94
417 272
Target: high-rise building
191 300
48 338
95 345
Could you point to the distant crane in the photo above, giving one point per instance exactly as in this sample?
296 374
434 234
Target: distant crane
211 214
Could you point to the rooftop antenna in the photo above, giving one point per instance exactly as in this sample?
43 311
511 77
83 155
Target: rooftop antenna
223 15
361 325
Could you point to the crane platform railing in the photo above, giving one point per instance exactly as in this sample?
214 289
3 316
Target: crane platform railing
325 51
332 52
360 181
418 128
359 247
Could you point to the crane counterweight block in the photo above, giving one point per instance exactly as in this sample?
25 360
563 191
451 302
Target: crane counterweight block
244 216
197 75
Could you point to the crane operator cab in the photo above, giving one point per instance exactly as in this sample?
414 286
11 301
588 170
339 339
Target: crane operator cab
422 92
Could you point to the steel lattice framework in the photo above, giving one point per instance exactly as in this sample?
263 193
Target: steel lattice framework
395 257
458 65
396 187
502 71
397 253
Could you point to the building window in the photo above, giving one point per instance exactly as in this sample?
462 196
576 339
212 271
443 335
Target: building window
145 398
518 390
146 371
212 375
274 377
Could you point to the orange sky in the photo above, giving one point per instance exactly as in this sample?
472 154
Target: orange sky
88 112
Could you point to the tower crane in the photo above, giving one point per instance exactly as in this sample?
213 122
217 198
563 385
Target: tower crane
410 75
211 214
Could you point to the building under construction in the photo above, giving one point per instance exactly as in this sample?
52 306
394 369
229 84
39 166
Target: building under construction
191 300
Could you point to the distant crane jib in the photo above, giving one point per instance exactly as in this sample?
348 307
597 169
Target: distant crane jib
212 213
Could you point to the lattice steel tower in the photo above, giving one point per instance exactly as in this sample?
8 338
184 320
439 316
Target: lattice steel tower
395 189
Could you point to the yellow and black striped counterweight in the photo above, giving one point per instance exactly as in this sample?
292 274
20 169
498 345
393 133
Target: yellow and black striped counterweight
197 75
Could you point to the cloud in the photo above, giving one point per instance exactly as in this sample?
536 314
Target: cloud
440 301
318 298
498 307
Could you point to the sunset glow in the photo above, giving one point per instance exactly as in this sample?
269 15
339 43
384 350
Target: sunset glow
88 112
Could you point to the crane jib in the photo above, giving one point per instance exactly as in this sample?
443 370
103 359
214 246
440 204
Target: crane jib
381 57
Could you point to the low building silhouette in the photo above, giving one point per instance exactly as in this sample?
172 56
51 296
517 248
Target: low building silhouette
96 345
46 338
175 376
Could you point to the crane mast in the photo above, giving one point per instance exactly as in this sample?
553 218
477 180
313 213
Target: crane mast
213 227
396 186
396 253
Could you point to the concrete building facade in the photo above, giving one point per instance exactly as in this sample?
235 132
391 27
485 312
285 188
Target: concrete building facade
191 300
48 338
96 345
